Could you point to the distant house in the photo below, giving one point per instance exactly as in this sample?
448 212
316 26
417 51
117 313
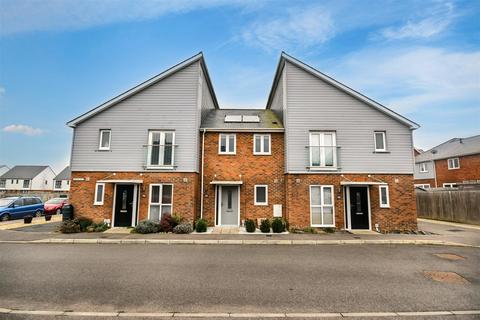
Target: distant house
62 181
27 178
449 164
3 169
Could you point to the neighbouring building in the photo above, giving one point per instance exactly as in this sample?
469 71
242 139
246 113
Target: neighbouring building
320 154
27 178
3 169
449 164
62 181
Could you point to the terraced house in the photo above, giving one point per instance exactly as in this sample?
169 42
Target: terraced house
320 154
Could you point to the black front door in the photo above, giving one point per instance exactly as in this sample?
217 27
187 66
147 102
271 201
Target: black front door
124 206
359 207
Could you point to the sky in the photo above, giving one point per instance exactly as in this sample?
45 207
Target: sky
60 58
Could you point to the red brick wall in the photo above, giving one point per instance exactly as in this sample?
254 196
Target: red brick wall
82 193
249 168
425 181
400 216
469 170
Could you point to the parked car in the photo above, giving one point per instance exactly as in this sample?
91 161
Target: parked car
20 207
54 205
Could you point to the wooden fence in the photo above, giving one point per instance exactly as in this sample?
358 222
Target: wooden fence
449 205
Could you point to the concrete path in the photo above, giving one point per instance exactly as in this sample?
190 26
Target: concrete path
13 224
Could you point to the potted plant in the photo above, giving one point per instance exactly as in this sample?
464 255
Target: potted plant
27 219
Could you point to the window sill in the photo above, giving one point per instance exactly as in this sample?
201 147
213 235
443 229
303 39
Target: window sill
226 154
160 167
323 168
98 204
384 207
261 204
262 154
322 225
381 151
453 168
103 150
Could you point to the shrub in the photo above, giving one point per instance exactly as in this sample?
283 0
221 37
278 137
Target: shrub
250 225
201 225
166 223
309 230
183 228
70 226
146 226
100 227
176 220
277 225
84 223
328 230
265 226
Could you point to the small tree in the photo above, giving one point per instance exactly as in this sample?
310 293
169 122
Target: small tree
250 225
265 226
277 225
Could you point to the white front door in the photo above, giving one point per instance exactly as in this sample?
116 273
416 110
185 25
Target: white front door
229 199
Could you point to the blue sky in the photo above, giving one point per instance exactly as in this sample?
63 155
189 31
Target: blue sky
60 58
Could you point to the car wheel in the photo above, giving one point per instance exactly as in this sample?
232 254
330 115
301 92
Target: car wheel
59 211
38 213
5 217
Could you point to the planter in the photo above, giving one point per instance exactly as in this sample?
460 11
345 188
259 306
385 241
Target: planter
27 219
48 217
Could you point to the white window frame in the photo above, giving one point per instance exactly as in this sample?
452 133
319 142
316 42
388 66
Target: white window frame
384 137
322 165
95 200
322 204
28 183
227 143
262 144
452 161
422 185
160 204
3 184
102 131
255 195
56 184
423 167
450 185
387 204
162 143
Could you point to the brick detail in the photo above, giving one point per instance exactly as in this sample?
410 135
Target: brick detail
82 193
400 216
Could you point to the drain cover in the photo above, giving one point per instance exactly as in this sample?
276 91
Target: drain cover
445 277
455 230
449 256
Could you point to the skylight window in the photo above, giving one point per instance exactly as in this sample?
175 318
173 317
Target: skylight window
250 119
233 118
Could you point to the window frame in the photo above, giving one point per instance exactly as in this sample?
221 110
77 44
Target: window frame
422 185
149 149
321 139
58 181
387 193
95 198
322 204
227 144
160 204
449 185
102 131
423 167
384 138
28 183
262 144
453 163
255 202
3 183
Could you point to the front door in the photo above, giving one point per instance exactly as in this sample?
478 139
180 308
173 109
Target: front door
229 206
359 208
123 206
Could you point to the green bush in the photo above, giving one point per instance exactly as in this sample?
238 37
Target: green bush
265 226
146 226
176 220
277 225
250 225
70 226
309 230
84 223
328 230
201 225
183 228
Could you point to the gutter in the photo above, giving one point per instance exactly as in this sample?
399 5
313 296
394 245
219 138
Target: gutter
201 179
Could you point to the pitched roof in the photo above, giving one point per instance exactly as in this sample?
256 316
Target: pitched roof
285 57
23 172
146 84
268 120
64 175
452 148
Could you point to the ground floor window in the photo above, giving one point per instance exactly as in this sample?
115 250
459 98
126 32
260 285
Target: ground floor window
261 195
160 200
99 193
423 186
384 197
449 185
58 184
321 206
3 183
26 183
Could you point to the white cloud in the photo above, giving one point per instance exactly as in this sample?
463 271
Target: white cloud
297 28
2 91
440 16
23 129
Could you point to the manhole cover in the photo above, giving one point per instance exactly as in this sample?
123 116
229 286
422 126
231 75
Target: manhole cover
445 277
449 256
455 230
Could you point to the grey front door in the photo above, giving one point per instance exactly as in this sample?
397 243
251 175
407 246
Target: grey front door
229 206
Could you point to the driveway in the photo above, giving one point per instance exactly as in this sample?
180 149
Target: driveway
454 232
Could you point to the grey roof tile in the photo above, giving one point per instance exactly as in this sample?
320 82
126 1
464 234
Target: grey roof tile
64 175
23 172
452 148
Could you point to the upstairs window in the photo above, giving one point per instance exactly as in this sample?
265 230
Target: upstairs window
105 137
261 144
58 184
380 141
160 201
423 167
323 150
161 148
26 183
453 163
227 143
384 197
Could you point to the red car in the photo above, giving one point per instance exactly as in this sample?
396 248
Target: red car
54 205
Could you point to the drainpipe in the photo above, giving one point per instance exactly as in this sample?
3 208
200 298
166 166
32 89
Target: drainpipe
435 173
201 179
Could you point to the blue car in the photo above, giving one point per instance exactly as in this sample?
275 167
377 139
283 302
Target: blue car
19 207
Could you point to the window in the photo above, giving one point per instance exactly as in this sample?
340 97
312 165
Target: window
18 202
384 197
227 143
449 185
68 182
323 150
58 184
160 201
380 141
29 201
26 183
99 194
261 195
161 148
105 137
3 182
453 163
422 185
321 206
423 167
261 144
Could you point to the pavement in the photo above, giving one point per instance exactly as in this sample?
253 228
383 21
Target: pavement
234 280
36 221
